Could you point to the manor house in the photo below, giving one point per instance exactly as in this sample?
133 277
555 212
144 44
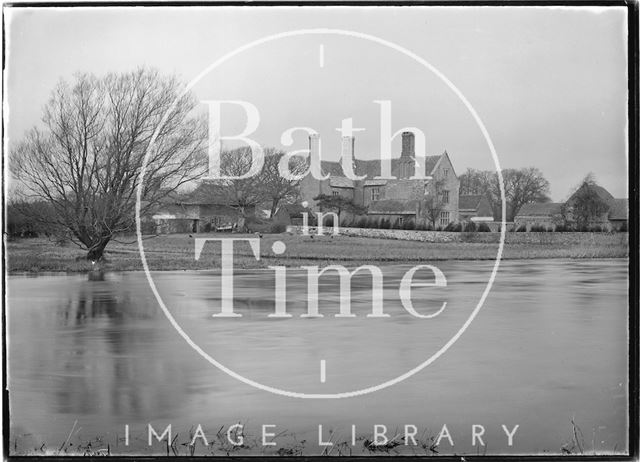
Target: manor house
398 199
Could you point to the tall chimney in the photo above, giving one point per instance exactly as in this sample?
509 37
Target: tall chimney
314 153
348 143
408 145
314 146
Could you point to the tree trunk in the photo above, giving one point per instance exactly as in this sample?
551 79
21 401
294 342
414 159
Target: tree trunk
96 251
274 207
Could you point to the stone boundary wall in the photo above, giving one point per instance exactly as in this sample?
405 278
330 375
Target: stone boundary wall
484 238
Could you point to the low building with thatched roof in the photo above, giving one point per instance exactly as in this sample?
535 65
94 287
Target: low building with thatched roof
201 210
551 215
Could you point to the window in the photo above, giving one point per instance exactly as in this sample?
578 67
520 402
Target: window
400 221
426 189
444 218
336 193
446 172
375 194
445 197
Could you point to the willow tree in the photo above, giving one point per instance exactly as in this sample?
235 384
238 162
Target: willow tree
86 158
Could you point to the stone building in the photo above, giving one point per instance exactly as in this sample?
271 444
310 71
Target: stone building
397 199
552 214
546 214
474 207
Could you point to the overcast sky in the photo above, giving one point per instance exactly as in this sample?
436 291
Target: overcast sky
549 83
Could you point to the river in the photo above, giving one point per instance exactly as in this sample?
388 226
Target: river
88 356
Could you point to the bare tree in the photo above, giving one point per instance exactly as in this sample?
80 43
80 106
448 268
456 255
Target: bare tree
434 204
485 183
86 160
475 181
339 204
244 194
241 194
275 186
521 186
433 207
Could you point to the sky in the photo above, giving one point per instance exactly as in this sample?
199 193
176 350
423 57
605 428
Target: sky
548 83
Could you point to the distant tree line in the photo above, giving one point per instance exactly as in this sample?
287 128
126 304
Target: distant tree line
521 186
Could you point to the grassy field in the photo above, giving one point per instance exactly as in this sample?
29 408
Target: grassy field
176 252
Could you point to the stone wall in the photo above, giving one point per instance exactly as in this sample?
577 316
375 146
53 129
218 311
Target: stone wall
487 238
407 235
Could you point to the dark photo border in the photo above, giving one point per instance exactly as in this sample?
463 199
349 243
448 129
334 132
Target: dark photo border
634 212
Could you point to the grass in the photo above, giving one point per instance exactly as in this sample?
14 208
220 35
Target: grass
176 252
287 444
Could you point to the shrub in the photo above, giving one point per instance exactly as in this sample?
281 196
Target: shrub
278 227
257 225
538 228
484 228
409 224
521 229
347 223
327 221
624 228
363 223
384 224
564 228
470 227
453 227
396 224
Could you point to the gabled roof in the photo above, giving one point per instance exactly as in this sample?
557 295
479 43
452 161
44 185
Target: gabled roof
375 182
372 168
619 209
469 202
432 161
175 211
172 197
540 209
599 190
340 182
393 207
332 168
205 193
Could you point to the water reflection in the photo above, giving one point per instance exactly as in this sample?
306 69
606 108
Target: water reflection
549 344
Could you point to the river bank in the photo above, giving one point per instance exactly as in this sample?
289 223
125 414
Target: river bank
176 252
